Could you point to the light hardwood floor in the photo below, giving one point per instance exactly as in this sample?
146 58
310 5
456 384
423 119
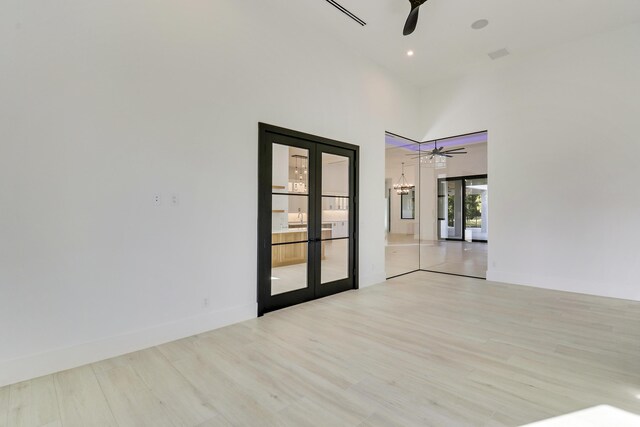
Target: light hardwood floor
422 349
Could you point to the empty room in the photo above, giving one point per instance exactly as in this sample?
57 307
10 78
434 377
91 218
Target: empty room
319 213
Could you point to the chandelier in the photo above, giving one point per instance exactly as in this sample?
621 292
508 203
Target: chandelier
300 172
437 162
402 187
301 166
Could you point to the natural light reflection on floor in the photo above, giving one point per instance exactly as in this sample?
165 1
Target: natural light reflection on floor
602 415
404 254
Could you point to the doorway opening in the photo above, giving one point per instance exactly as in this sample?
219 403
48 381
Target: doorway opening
441 222
307 217
463 208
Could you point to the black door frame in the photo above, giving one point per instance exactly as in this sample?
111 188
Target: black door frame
265 139
464 197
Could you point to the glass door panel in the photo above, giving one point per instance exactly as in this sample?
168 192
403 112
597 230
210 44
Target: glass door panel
335 175
290 243
476 208
450 209
335 260
290 211
335 217
289 267
443 228
290 171
335 224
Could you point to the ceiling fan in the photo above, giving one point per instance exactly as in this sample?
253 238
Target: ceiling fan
412 19
438 152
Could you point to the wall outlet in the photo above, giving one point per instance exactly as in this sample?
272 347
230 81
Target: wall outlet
157 200
175 201
205 302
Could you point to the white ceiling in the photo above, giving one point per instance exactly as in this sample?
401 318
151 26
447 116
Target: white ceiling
444 42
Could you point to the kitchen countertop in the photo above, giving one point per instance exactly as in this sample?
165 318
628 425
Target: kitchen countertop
295 230
292 224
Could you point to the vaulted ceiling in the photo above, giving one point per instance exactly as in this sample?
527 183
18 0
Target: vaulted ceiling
444 42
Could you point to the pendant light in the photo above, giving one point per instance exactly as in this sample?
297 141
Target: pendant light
402 187
300 172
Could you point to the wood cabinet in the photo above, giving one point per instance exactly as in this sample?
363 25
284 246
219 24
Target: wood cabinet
291 254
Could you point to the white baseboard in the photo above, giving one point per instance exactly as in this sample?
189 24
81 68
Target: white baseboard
366 281
22 369
620 290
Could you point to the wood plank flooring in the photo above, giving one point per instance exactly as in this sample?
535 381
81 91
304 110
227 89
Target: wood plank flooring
422 349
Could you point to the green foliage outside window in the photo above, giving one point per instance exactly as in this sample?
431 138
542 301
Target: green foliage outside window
473 206
450 206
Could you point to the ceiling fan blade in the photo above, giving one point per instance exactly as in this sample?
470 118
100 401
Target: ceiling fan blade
412 21
461 152
446 155
453 149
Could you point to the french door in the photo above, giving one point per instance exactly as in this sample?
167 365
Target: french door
463 204
307 229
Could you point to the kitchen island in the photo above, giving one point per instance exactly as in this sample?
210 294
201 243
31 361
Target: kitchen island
291 254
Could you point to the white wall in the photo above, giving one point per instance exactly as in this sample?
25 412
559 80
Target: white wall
104 105
563 152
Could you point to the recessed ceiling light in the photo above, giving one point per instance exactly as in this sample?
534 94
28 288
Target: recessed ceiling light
480 24
409 53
